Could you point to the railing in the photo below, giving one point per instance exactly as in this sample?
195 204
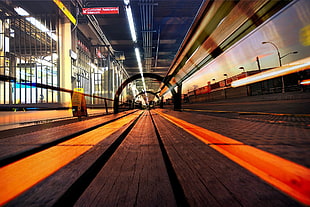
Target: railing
92 101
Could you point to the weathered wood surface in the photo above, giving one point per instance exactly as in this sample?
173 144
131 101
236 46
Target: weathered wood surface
13 145
209 178
135 175
50 190
285 139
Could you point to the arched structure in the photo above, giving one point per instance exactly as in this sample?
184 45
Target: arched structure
129 80
151 92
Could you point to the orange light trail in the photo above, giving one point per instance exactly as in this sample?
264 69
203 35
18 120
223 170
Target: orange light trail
287 176
305 82
21 175
273 73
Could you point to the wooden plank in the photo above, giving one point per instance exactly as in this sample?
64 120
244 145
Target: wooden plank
11 146
210 179
48 191
135 175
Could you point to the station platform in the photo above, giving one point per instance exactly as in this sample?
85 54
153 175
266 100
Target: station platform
18 119
200 156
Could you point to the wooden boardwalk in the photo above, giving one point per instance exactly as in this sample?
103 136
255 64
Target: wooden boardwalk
151 162
135 175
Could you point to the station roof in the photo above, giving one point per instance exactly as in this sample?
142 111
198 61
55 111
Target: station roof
160 26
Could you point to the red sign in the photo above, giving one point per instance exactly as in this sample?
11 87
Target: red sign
100 10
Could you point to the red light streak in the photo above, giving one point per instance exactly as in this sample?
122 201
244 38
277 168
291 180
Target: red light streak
305 82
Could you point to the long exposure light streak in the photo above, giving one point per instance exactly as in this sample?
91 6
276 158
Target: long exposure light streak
130 21
273 73
134 39
23 174
287 176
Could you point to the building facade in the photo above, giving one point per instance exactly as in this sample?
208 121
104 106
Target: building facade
44 57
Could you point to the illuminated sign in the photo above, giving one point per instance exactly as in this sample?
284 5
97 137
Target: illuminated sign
78 103
64 9
100 10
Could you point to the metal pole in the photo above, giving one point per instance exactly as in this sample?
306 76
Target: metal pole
280 63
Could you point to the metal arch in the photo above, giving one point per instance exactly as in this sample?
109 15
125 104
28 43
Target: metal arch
132 78
151 92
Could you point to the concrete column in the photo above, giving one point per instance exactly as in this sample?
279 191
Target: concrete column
65 61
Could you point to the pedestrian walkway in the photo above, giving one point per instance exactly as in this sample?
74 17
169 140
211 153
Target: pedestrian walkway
16 119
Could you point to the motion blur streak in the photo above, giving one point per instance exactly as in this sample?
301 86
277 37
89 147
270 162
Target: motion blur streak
287 176
273 73
23 174
305 82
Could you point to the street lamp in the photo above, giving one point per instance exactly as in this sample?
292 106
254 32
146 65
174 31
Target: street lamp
295 52
280 62
279 56
225 86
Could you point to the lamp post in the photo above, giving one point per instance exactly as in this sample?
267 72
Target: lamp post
280 60
295 52
278 52
225 85
246 86
280 63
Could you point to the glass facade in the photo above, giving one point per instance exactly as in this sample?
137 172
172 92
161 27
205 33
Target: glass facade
39 66
28 59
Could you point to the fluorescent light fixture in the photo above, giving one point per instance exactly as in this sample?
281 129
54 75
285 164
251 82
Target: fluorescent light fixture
126 2
273 73
141 70
138 59
131 23
41 27
20 11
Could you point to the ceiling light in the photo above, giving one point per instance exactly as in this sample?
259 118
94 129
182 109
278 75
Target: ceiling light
131 23
141 70
138 59
20 11
126 2
41 27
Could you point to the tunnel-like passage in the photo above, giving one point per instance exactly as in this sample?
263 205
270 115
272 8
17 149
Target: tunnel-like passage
129 80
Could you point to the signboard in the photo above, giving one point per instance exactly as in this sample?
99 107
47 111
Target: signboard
100 10
79 108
